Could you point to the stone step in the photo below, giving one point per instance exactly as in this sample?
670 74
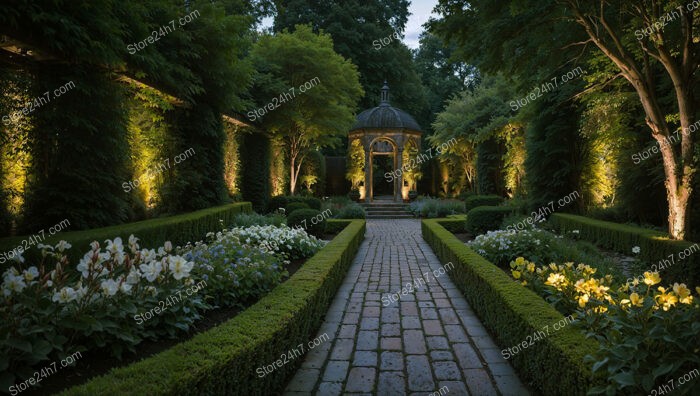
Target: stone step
381 217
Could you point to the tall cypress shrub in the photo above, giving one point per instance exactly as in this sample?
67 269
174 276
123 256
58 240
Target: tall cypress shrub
79 151
489 167
255 170
554 148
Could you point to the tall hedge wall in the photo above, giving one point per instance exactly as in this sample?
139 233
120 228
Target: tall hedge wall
255 170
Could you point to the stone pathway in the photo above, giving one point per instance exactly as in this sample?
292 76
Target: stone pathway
423 342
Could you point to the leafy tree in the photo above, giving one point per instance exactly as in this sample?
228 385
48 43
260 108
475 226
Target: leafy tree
360 30
307 93
481 119
648 43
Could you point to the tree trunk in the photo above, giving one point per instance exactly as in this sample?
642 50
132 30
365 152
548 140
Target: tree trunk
678 169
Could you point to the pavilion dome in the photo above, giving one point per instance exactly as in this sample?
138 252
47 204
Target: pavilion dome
385 116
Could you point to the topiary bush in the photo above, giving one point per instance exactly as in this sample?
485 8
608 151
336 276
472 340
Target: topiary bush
281 201
351 211
310 220
291 207
482 200
486 218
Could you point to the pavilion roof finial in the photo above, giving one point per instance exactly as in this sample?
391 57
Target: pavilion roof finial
385 94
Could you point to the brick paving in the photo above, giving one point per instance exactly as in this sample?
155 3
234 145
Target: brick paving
428 340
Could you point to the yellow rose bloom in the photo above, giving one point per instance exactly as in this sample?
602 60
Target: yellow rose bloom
516 274
520 261
531 267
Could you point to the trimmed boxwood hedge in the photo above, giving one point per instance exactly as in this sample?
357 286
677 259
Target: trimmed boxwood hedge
654 245
482 200
224 359
511 312
486 218
291 207
178 229
281 201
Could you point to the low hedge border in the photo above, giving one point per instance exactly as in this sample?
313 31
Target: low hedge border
334 226
654 245
224 359
454 223
152 233
512 312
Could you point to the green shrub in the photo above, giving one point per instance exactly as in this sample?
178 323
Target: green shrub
291 207
253 219
224 359
434 207
351 211
486 218
482 200
177 229
654 246
281 201
255 171
513 313
311 220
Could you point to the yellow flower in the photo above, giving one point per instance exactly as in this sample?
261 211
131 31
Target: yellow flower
635 282
520 261
683 293
651 278
583 300
524 283
666 300
539 271
553 266
556 280
636 300
516 274
531 267
569 265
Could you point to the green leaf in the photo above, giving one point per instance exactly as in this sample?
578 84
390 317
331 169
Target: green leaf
625 379
662 370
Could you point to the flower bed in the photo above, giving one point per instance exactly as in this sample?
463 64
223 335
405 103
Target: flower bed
649 335
224 359
653 246
118 296
178 229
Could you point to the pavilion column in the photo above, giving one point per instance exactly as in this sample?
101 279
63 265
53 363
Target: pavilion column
368 177
398 196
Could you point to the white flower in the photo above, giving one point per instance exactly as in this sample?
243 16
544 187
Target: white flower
148 255
151 270
151 290
109 287
180 267
133 242
66 295
575 232
13 284
134 277
168 246
636 250
30 273
125 288
62 245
